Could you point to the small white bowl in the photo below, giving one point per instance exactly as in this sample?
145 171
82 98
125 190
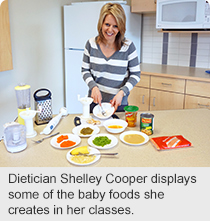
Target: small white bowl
106 107
117 122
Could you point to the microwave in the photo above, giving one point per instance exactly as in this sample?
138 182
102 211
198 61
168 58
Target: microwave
183 14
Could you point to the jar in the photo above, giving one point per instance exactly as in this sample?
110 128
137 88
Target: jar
131 115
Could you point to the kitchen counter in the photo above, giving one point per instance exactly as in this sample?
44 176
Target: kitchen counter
193 124
189 73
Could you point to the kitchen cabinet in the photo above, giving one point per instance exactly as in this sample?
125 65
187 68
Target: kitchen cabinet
196 102
5 41
158 93
166 93
168 84
164 87
162 100
143 6
139 95
198 88
197 94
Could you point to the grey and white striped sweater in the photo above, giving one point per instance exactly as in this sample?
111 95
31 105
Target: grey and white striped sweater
121 71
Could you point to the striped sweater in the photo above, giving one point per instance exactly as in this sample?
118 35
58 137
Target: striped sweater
121 71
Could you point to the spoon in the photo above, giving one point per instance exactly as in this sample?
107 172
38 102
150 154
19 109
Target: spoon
92 154
103 111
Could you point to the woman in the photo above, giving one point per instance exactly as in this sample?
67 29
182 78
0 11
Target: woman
110 62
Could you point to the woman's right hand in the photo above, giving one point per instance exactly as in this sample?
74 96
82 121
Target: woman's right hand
96 95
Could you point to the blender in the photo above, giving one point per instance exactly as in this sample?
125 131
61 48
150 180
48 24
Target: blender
23 92
86 101
15 137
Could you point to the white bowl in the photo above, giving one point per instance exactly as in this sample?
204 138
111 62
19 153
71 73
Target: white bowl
117 122
107 108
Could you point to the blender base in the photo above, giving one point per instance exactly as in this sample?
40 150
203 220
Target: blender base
31 135
16 149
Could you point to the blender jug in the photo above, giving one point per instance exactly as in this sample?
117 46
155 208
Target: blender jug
23 99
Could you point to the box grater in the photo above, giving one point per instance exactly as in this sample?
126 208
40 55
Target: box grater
42 99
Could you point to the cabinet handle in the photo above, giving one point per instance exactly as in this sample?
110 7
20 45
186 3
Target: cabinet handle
143 99
155 1
203 105
154 101
166 84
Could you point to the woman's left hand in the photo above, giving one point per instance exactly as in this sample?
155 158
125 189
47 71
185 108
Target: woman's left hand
116 101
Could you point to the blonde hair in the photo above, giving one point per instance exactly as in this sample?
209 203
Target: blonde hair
117 11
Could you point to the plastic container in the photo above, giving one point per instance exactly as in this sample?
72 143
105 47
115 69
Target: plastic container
131 115
15 137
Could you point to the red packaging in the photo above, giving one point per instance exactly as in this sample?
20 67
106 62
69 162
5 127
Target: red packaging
170 142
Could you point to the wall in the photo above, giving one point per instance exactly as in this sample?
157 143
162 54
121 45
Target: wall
36 28
37 49
181 49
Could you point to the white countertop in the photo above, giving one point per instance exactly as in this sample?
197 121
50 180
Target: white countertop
193 124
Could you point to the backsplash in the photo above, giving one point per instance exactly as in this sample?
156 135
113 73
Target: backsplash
179 49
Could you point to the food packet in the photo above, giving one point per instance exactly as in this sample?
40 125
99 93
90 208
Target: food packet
170 142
